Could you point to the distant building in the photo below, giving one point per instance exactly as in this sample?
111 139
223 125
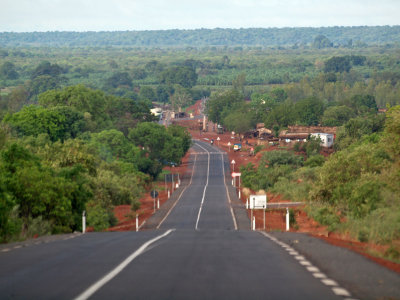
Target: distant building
156 111
326 138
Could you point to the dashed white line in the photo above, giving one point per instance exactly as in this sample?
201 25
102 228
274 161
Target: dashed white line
319 275
312 269
340 292
336 289
305 263
177 200
329 282
205 188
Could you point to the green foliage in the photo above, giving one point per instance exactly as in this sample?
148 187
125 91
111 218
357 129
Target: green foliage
309 111
337 115
281 157
46 68
98 217
161 146
321 42
119 79
8 71
182 75
59 123
206 37
314 161
219 105
337 64
326 216
275 166
238 121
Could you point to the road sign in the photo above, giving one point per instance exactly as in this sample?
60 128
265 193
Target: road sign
154 194
233 162
218 139
258 202
236 174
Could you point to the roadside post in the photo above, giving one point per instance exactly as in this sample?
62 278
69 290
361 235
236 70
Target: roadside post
234 175
233 162
218 139
264 216
154 195
172 180
287 219
229 146
83 221
137 222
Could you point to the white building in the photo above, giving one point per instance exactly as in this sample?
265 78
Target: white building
326 139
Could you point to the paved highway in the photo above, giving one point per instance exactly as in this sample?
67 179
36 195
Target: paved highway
196 253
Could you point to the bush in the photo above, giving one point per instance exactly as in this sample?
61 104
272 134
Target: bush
97 217
282 157
326 216
315 161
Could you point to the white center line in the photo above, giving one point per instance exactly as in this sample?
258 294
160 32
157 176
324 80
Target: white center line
96 286
205 187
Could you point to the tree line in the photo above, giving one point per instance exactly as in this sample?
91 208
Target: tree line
347 36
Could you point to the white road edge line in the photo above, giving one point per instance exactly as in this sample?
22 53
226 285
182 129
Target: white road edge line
96 286
227 193
170 210
205 188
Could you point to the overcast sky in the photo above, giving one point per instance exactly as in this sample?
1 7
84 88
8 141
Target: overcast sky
97 15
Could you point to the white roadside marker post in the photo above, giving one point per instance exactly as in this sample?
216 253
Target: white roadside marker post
264 216
287 218
137 222
247 203
83 221
254 223
169 194
239 186
158 203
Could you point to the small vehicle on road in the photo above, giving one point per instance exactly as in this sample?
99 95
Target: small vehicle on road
237 147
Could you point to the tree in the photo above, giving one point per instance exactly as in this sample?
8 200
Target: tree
38 190
337 64
309 111
337 115
183 75
239 82
119 79
147 93
46 68
321 41
238 121
8 71
181 98
282 115
59 123
220 102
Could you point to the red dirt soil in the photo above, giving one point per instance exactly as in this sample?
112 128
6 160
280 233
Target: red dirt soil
126 217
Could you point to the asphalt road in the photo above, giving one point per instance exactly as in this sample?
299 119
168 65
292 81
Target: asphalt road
197 253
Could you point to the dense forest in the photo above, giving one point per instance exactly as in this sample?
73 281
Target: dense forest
265 37
76 120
